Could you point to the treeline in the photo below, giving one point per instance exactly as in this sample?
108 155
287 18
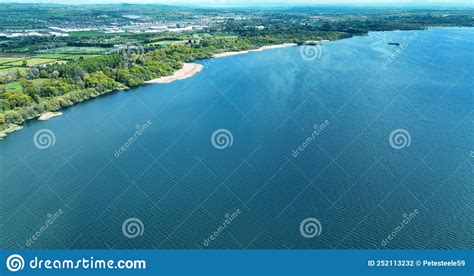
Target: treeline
75 81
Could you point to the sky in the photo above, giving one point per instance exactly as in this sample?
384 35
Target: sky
469 3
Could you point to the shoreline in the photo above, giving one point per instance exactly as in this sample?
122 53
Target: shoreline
48 115
263 48
188 70
12 127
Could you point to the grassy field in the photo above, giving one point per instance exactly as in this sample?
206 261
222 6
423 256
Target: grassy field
5 60
55 56
66 57
87 34
15 86
78 50
12 64
165 42
33 61
7 70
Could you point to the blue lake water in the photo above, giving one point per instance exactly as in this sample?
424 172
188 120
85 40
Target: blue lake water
416 192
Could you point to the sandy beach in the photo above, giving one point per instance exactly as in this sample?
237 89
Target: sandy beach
188 70
228 54
48 115
269 47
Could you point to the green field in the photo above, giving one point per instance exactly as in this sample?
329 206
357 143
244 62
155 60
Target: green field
66 57
78 50
87 34
55 56
4 71
165 42
13 64
5 60
15 86
33 61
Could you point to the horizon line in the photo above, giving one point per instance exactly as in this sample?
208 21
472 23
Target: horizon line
260 5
